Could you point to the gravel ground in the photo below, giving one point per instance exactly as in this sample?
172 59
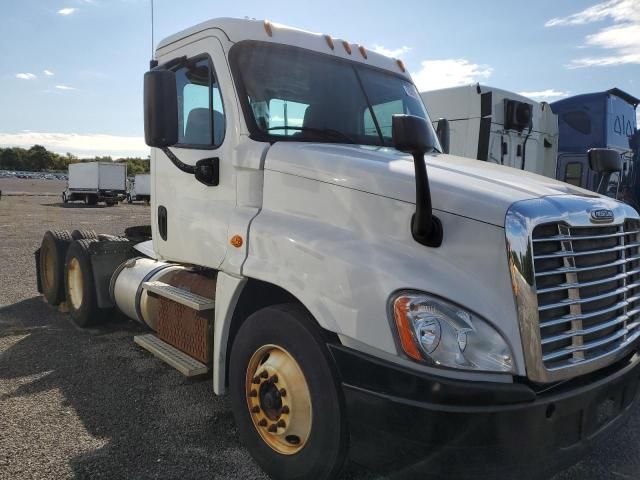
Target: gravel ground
12 185
90 404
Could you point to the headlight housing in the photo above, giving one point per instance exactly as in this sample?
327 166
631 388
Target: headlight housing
445 335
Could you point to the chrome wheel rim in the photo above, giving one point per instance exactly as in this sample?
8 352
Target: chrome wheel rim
278 399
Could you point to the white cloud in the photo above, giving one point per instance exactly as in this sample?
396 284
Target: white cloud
48 73
67 11
78 144
393 53
622 39
64 87
545 94
452 72
25 76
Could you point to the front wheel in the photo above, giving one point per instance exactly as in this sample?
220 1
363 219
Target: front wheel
285 395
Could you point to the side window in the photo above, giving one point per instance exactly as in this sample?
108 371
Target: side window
573 174
283 114
201 120
383 112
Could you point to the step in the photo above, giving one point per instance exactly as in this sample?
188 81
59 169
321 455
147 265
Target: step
188 366
178 295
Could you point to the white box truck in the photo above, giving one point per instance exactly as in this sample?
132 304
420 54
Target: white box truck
497 126
140 188
357 293
94 182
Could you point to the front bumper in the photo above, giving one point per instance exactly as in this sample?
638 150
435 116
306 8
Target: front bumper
408 423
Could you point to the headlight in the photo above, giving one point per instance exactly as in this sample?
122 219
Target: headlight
446 335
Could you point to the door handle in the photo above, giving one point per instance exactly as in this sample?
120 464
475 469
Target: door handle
207 171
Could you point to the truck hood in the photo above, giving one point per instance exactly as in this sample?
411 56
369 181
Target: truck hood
471 188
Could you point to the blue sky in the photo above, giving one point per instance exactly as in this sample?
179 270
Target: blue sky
71 70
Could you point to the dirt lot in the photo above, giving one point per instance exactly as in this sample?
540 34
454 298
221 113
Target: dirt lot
90 404
32 186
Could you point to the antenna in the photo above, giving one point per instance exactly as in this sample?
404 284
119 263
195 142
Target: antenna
152 63
152 29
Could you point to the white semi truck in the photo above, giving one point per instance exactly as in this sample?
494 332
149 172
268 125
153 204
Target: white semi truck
357 293
94 182
139 188
497 126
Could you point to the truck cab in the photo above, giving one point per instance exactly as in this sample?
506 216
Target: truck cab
604 120
497 126
358 293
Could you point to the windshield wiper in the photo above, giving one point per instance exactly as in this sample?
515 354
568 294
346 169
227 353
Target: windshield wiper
325 131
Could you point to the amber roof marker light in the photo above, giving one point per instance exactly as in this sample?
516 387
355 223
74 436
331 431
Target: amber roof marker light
329 41
401 65
268 27
346 46
363 51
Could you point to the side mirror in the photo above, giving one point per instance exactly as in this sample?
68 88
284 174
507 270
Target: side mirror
444 134
160 108
604 160
414 135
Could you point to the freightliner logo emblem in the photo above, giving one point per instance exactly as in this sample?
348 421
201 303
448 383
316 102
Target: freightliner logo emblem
601 215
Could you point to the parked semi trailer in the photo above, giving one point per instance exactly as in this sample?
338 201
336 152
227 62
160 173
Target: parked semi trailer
139 188
94 182
357 293
497 126
601 120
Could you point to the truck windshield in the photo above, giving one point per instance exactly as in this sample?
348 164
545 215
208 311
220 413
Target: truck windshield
290 93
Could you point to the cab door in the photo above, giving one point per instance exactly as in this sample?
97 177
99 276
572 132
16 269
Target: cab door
190 218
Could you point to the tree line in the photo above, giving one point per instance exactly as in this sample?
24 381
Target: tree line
39 159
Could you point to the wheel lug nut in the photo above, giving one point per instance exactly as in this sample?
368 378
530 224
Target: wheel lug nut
263 423
285 410
255 409
253 393
273 427
274 379
264 374
283 392
282 424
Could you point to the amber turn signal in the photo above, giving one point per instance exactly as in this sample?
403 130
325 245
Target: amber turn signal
400 310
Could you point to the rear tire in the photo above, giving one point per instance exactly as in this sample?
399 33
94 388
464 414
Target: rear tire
53 253
83 234
309 438
79 284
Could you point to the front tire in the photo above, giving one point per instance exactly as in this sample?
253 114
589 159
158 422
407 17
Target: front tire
285 395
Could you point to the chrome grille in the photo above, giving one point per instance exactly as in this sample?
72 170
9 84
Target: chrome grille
587 282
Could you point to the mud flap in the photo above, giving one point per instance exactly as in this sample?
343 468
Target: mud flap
106 256
36 254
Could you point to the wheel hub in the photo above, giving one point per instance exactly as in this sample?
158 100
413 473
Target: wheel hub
74 283
278 399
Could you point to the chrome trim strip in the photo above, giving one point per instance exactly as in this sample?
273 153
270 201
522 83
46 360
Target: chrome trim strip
562 271
559 238
562 253
566 303
572 211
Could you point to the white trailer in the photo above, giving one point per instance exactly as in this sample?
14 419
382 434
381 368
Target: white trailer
497 126
94 182
474 320
140 188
